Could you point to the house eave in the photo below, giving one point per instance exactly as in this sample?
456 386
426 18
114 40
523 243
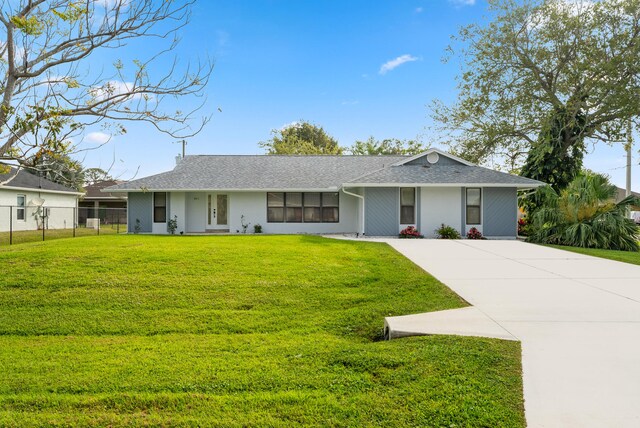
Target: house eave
31 189
230 190
519 186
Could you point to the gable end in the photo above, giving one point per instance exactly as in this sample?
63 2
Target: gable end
441 161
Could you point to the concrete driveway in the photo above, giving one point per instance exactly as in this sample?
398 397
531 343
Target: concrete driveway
578 318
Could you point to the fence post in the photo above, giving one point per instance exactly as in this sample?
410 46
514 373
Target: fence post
118 224
10 225
75 220
42 224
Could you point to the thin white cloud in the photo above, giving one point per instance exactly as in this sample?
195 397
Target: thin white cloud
419 9
111 88
290 125
349 102
463 2
397 62
222 38
18 52
97 137
110 4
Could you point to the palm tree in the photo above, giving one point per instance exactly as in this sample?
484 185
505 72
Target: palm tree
585 214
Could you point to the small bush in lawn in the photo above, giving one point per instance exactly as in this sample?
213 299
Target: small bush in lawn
447 232
172 225
410 232
257 228
474 234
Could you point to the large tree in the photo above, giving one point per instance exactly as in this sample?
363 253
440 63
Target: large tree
57 167
389 146
96 175
301 138
49 90
570 65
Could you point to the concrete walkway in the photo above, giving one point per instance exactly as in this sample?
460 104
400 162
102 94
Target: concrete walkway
578 318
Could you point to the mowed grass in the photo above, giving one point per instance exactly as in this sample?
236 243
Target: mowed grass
23 236
632 257
236 331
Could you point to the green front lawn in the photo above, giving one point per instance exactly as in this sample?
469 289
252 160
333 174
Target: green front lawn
23 236
236 331
621 256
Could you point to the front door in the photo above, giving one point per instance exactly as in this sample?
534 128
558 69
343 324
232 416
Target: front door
217 211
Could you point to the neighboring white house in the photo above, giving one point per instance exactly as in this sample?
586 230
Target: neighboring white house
372 195
28 202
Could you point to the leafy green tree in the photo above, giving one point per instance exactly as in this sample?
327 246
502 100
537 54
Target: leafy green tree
585 214
576 62
57 167
96 175
390 146
301 138
49 91
550 161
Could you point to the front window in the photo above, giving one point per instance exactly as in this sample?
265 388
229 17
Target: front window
474 202
330 206
297 207
160 207
275 207
407 205
294 207
312 208
20 210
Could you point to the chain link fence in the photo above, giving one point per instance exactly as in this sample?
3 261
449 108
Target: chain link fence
19 224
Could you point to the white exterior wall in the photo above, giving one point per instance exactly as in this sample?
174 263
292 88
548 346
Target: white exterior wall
196 215
191 207
177 208
439 205
253 205
61 210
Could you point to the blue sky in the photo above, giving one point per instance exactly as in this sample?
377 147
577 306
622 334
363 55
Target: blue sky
280 61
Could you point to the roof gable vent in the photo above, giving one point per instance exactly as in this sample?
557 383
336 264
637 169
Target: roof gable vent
433 157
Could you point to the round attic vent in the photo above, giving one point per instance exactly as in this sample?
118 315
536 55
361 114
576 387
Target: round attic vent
433 157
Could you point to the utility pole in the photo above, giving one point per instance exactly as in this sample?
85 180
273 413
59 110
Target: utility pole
629 147
184 145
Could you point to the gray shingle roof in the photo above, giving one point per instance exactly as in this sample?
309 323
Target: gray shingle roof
435 174
260 172
26 180
95 190
272 172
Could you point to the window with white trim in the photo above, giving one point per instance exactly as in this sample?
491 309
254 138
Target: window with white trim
474 202
407 205
159 207
20 207
298 207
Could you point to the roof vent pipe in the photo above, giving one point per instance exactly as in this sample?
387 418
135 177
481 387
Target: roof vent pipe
178 159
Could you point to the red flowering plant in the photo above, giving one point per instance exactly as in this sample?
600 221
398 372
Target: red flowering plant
410 232
523 226
474 234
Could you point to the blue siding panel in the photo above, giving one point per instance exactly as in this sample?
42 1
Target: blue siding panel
500 212
382 211
139 206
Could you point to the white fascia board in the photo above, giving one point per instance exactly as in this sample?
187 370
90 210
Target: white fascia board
114 198
440 152
30 189
317 189
519 186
